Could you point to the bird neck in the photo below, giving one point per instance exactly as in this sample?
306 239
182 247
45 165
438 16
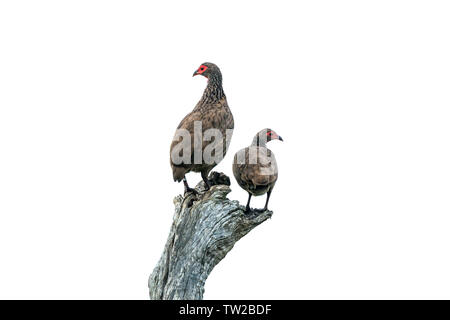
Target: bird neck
213 91
258 141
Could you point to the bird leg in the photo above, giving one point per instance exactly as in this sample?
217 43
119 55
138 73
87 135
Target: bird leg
187 188
247 208
267 202
206 180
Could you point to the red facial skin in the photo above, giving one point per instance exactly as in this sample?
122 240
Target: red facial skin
201 69
272 135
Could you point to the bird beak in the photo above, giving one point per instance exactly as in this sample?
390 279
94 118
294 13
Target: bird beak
280 138
195 73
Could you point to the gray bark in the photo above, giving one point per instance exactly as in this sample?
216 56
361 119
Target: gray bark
204 229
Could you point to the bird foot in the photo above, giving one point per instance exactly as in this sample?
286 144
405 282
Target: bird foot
216 178
253 211
190 190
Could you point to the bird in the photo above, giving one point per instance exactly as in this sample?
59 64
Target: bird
211 114
255 167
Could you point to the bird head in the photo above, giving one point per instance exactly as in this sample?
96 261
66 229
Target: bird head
207 69
264 136
270 135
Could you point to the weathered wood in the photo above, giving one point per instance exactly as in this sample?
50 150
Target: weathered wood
204 229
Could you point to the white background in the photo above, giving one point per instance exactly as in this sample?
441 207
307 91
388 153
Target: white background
91 93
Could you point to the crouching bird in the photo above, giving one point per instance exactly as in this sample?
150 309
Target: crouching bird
203 136
255 167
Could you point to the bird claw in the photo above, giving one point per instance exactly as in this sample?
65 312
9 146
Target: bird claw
190 190
216 178
255 211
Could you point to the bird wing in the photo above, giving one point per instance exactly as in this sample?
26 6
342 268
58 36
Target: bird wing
255 168
215 116
186 124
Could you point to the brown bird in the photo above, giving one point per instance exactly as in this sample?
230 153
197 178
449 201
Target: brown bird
255 167
211 112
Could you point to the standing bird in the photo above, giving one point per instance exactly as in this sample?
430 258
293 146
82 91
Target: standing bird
211 112
255 167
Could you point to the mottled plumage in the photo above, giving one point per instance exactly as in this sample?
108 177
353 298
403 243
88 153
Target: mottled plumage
212 112
255 167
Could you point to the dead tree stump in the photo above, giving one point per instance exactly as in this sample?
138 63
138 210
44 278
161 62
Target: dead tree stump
205 228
